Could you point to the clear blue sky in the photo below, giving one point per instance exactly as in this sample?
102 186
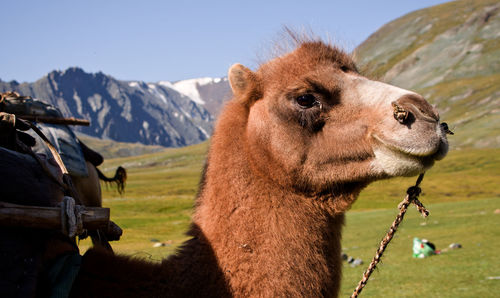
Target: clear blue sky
171 40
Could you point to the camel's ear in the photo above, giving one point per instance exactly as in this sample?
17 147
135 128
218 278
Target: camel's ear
242 80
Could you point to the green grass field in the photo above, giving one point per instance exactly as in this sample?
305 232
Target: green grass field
461 193
456 273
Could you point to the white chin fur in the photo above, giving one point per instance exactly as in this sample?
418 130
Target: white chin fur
395 163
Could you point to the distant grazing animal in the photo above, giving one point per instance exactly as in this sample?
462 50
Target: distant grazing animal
291 151
89 188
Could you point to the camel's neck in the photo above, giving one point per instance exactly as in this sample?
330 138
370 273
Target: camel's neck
271 243
268 241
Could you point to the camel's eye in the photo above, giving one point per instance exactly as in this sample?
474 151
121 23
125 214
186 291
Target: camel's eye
306 100
344 68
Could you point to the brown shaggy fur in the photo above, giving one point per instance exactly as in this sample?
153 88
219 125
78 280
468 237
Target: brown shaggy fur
271 204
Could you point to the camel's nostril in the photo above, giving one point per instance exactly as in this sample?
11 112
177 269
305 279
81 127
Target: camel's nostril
400 114
416 105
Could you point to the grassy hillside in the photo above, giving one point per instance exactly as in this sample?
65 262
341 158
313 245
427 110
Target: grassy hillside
158 198
461 193
452 24
450 53
114 149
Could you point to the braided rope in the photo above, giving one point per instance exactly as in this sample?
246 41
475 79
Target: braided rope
411 197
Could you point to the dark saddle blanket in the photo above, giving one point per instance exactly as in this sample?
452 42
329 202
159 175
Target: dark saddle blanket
66 144
61 136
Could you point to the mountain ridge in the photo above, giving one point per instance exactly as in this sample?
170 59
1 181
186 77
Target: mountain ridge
126 111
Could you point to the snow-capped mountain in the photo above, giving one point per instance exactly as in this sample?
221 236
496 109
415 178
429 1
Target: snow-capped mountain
164 113
209 92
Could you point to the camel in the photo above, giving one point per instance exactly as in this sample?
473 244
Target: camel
27 255
89 194
301 137
89 188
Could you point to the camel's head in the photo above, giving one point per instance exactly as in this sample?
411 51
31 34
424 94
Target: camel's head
314 121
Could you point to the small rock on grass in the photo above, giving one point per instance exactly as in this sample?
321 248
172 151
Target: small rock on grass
161 244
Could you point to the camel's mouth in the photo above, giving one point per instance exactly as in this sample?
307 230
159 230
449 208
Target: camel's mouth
397 160
410 151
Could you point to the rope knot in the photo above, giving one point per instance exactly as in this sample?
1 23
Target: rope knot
413 192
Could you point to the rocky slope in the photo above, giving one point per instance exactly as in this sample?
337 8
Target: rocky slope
149 113
450 53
